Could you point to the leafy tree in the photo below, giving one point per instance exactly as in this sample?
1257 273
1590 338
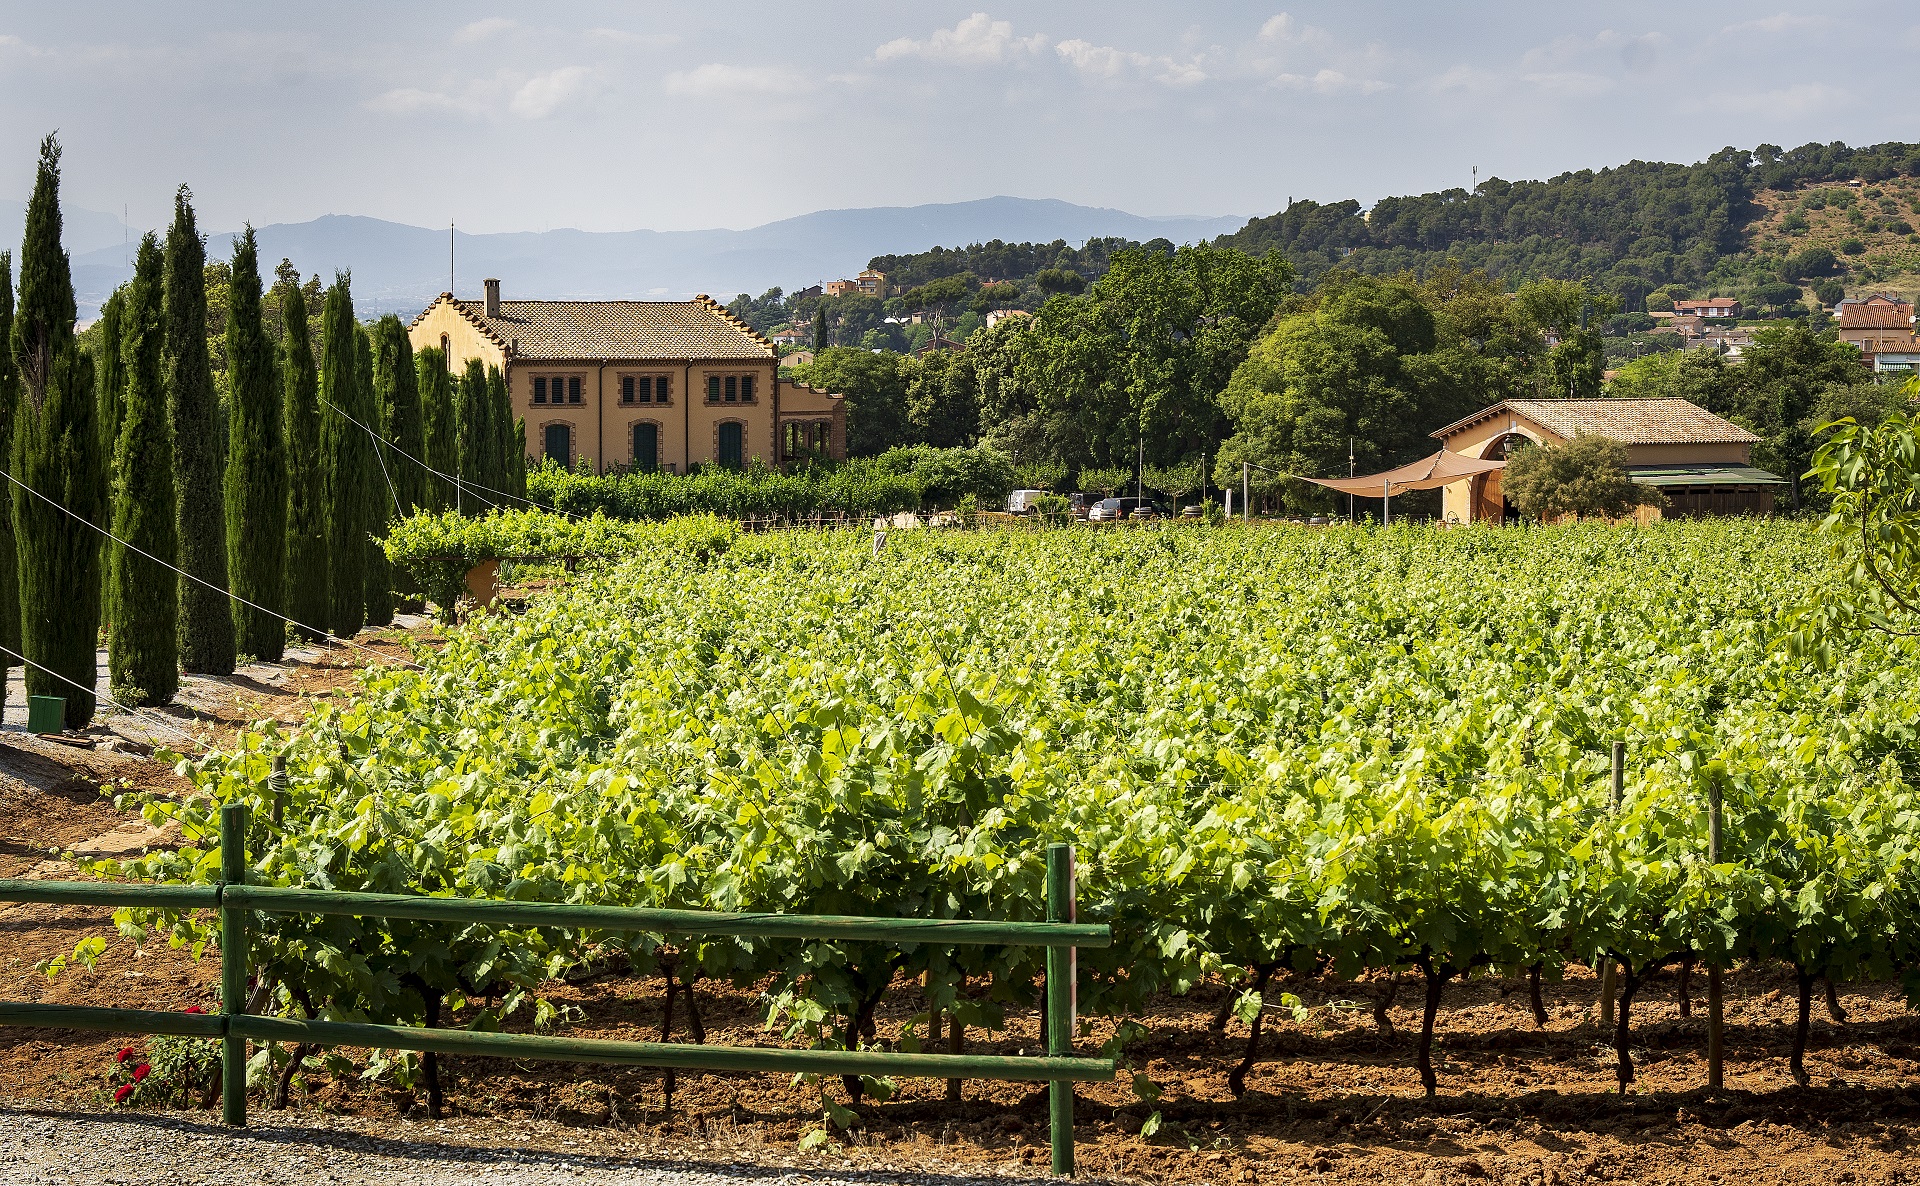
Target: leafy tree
1586 476
376 502
1870 476
876 395
256 480
938 297
943 402
143 594
1059 281
206 619
348 481
1362 367
435 383
306 574
1775 387
1145 354
56 458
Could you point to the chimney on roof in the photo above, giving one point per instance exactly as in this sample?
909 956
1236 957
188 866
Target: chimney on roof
493 298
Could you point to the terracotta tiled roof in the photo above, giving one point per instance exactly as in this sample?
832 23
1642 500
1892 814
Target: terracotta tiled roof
1629 421
700 328
1877 315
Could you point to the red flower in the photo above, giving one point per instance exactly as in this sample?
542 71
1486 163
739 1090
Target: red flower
140 1072
195 1009
121 1093
126 1052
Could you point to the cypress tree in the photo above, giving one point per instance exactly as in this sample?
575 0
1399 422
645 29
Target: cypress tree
256 482
442 441
476 439
142 593
406 424
346 484
110 370
56 453
820 328
9 570
379 496
206 622
500 419
519 459
306 552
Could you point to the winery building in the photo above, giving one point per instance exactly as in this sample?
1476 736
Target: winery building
644 385
1701 462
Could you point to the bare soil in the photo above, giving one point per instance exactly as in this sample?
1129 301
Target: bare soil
1331 1099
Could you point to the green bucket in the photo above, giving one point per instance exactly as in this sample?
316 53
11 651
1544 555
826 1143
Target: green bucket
46 714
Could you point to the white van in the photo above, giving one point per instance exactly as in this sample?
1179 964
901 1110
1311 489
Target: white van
1020 502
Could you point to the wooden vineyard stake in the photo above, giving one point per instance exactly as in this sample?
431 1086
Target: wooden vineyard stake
1716 1049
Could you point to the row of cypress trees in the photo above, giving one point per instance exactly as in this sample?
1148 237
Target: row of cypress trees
317 460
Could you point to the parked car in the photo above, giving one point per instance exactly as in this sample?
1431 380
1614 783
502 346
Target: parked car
1080 503
1112 510
1020 502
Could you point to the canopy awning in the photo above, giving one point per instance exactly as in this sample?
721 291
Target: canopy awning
1665 476
1442 469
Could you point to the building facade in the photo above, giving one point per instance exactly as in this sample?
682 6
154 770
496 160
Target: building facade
1878 324
1702 463
641 385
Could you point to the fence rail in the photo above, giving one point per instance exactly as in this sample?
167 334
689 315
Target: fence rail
235 900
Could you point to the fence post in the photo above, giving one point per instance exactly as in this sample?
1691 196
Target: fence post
1716 1054
233 964
1062 988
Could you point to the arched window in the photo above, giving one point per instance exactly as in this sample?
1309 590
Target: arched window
446 350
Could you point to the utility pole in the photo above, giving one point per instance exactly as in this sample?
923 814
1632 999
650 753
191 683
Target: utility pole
1246 515
449 255
1140 468
1350 474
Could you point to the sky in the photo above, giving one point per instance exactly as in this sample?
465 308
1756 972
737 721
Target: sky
609 116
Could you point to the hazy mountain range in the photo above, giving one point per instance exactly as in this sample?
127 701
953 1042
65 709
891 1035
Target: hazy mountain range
398 267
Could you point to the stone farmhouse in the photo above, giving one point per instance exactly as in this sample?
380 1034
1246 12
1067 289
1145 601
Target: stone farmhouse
640 385
1702 463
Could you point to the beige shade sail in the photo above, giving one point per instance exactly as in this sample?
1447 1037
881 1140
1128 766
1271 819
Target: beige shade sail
1428 473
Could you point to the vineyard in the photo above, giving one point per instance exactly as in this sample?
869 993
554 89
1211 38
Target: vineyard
1277 752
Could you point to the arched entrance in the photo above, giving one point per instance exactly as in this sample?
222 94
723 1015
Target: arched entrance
1489 503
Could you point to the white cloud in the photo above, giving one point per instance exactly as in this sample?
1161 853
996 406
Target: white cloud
411 101
1779 22
720 79
978 40
482 29
544 94
1330 82
1110 64
1286 30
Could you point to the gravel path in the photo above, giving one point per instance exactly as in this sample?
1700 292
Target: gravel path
41 1148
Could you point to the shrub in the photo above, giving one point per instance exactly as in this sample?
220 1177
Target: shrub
1586 476
1852 247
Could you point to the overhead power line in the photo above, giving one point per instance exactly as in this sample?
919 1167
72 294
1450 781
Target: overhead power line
315 630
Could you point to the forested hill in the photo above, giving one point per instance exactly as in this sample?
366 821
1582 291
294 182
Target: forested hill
1631 229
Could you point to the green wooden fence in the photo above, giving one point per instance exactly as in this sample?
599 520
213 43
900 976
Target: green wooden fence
235 900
